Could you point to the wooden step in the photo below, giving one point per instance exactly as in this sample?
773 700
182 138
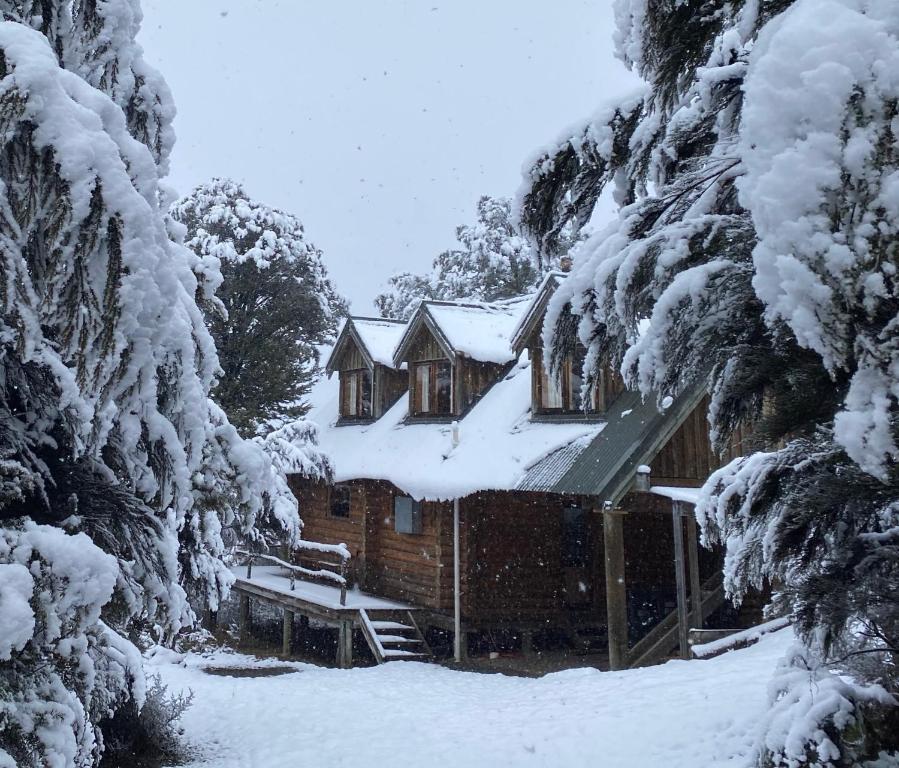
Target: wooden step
390 639
381 635
400 654
391 625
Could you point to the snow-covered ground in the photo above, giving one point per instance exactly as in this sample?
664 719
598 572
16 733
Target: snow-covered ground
696 714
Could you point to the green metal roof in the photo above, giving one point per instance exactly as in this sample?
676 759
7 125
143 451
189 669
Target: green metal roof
634 433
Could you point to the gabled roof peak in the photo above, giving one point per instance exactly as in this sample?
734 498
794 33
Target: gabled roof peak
479 330
376 338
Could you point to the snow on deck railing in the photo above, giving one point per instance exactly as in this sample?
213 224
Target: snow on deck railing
340 550
739 639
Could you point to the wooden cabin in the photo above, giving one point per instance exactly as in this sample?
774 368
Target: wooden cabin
549 516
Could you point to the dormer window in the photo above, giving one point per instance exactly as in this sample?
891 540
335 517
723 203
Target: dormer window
563 395
432 393
355 394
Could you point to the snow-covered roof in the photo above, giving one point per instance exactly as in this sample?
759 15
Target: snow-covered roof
481 331
380 337
677 493
375 337
499 443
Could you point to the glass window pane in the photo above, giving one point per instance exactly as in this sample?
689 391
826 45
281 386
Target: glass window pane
351 394
444 388
575 384
550 392
365 393
406 515
348 392
340 501
423 388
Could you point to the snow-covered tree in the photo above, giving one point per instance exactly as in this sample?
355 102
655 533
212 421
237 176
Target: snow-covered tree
274 308
757 233
405 291
494 262
117 472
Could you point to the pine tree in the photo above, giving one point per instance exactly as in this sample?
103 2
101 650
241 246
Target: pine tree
757 234
494 262
117 473
275 306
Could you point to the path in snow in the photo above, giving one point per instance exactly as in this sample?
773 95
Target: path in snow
697 714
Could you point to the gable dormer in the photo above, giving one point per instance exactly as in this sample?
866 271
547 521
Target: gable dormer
454 352
562 397
363 360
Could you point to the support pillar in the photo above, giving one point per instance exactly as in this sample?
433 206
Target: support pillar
527 642
681 579
616 588
243 619
696 617
457 586
287 633
345 645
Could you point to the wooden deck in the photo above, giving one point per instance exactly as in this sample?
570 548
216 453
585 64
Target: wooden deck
322 602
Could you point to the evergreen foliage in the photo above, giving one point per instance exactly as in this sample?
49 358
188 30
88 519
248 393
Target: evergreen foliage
494 262
274 308
757 234
117 473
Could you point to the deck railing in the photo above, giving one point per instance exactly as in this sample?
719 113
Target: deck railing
338 553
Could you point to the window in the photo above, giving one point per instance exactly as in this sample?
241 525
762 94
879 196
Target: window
355 394
564 395
406 515
432 392
339 500
575 544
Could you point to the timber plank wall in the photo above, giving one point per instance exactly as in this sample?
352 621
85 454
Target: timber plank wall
415 568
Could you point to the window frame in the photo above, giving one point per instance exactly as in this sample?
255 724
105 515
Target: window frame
569 389
416 516
343 488
352 380
433 394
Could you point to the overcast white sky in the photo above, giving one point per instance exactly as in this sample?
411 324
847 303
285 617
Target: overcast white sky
378 122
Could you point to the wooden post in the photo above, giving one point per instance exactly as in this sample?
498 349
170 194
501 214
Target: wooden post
243 618
343 585
345 644
616 588
527 642
457 586
287 632
681 578
696 618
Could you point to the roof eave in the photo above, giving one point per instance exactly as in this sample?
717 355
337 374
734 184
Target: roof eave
535 312
348 332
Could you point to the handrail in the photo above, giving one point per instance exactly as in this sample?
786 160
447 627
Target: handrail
339 578
663 635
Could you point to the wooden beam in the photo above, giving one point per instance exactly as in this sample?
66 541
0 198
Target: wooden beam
681 578
287 632
696 617
616 589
